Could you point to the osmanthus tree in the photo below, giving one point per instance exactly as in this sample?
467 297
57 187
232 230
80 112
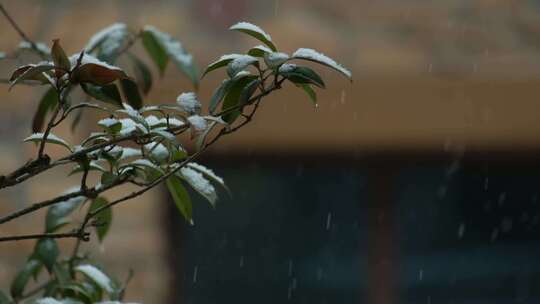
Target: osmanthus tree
137 144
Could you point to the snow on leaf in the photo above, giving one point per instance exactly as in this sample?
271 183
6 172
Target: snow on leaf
32 72
198 125
189 103
145 163
259 51
89 59
199 183
41 47
254 31
209 173
129 126
221 62
56 214
312 55
173 122
96 275
109 39
51 138
158 151
275 59
239 64
287 68
176 52
130 152
48 300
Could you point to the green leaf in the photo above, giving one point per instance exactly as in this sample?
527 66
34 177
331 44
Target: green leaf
97 276
181 197
108 41
301 75
46 104
155 50
78 291
219 94
4 298
248 91
60 59
51 138
176 52
255 32
131 92
47 252
108 178
233 97
259 51
314 56
103 219
208 173
112 40
22 277
221 62
240 64
56 214
199 183
142 73
107 93
111 125
311 93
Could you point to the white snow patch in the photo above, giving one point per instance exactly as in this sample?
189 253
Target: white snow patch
206 171
188 101
287 68
108 122
111 38
275 59
130 152
89 59
174 47
240 63
159 151
198 123
41 47
97 276
199 183
311 54
252 28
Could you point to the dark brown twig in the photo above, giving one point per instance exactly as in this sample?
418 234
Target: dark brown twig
76 234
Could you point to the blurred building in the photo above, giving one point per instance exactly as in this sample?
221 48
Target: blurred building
418 183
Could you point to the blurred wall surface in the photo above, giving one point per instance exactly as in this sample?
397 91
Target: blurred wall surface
428 75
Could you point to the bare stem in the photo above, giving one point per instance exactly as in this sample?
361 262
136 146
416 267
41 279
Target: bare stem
19 31
75 234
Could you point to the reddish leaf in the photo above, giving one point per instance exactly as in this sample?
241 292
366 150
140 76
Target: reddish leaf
97 74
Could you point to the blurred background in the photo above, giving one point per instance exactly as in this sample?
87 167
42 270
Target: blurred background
417 183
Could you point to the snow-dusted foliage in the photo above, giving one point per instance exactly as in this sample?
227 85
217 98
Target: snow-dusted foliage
199 183
189 103
174 47
133 147
108 39
310 54
275 59
96 275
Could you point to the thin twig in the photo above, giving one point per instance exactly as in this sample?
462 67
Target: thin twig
19 31
75 234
